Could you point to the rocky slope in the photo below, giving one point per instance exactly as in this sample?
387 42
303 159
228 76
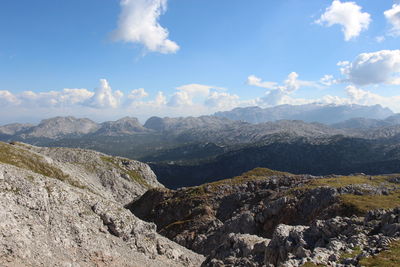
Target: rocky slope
64 207
124 126
269 218
60 127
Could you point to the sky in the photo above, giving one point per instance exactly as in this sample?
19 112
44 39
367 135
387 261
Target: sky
106 59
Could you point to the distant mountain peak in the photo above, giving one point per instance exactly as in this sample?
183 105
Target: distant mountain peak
314 112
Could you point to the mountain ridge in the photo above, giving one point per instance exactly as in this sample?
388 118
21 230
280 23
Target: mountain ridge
327 114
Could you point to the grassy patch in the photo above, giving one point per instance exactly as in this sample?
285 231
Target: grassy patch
388 258
253 175
137 177
365 203
264 172
310 264
109 160
13 155
356 251
343 181
133 174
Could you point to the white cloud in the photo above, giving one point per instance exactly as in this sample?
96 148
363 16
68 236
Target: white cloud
382 67
160 99
66 97
179 99
222 100
255 81
348 15
363 97
138 23
186 93
6 98
327 80
393 17
197 89
138 94
380 39
292 83
104 97
279 94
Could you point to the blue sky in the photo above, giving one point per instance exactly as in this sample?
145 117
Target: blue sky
192 57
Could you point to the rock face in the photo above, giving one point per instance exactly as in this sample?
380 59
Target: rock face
325 241
60 127
64 207
272 218
124 126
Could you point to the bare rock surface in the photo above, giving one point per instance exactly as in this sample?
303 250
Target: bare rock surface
66 209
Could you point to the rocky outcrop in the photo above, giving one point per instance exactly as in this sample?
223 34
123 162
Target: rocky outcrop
336 240
277 219
121 127
58 127
64 207
115 178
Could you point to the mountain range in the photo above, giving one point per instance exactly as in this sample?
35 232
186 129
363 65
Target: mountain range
327 114
188 151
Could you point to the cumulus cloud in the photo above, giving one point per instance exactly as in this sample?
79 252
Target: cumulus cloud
279 93
222 100
138 94
138 23
327 80
393 17
57 98
104 97
160 99
197 89
186 93
348 15
7 98
363 97
255 81
181 98
382 67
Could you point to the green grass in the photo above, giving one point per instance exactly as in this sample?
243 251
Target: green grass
25 159
252 175
357 204
265 172
362 204
387 258
343 181
356 251
310 264
133 174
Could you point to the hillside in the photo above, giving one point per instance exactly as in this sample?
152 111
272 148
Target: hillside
64 206
317 156
270 218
